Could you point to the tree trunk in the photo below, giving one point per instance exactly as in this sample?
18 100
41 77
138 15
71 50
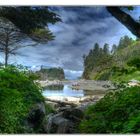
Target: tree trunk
125 19
6 49
6 57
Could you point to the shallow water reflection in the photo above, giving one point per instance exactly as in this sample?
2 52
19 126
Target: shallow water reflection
64 90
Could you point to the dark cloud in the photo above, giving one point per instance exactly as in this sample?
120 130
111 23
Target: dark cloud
80 28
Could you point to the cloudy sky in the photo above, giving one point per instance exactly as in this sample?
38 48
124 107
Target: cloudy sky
80 28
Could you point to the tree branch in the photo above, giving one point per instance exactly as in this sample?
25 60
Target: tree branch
125 19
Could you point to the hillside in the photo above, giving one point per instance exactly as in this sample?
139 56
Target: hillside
51 74
115 66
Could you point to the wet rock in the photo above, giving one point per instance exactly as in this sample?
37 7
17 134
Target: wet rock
36 116
64 108
106 86
54 105
58 124
74 115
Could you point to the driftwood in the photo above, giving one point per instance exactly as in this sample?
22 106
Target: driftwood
62 103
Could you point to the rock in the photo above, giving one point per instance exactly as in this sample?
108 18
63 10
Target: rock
134 82
54 105
47 126
36 116
106 86
73 114
64 121
64 108
58 124
86 99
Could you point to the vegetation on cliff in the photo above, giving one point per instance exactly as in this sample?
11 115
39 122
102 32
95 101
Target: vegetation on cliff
119 64
51 74
118 112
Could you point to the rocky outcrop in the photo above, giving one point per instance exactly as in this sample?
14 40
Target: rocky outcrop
58 124
36 117
51 74
66 119
64 122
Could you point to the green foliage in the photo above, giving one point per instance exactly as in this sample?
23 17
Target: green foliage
117 112
30 19
97 60
51 73
18 94
130 8
49 109
134 62
124 42
122 64
104 75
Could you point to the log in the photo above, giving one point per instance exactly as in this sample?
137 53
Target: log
62 103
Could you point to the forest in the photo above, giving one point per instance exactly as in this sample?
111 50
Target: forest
121 63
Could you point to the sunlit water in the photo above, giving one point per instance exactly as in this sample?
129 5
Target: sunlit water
65 91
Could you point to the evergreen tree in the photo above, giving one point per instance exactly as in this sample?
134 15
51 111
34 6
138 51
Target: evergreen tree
31 20
106 48
124 42
114 48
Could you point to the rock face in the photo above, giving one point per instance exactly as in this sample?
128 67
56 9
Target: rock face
36 116
66 119
64 122
58 124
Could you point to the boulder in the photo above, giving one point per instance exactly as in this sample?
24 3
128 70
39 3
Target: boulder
36 116
58 124
106 86
73 114
54 105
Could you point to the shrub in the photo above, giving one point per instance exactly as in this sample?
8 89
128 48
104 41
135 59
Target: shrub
18 93
117 112
135 62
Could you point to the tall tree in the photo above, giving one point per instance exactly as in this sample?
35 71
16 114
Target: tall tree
114 48
124 42
10 39
106 48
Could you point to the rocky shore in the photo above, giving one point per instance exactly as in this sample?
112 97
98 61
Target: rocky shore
69 111
67 115
80 84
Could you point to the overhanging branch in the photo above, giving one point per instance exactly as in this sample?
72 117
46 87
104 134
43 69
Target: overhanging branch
125 19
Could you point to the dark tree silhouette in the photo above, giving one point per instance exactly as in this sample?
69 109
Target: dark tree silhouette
32 20
125 19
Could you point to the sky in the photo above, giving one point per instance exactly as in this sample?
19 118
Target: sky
80 29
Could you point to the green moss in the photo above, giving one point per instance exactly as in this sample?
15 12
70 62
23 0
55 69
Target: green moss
49 109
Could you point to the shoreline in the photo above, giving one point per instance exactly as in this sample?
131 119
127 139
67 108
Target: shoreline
90 85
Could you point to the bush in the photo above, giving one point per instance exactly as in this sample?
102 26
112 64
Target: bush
117 112
135 62
18 94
